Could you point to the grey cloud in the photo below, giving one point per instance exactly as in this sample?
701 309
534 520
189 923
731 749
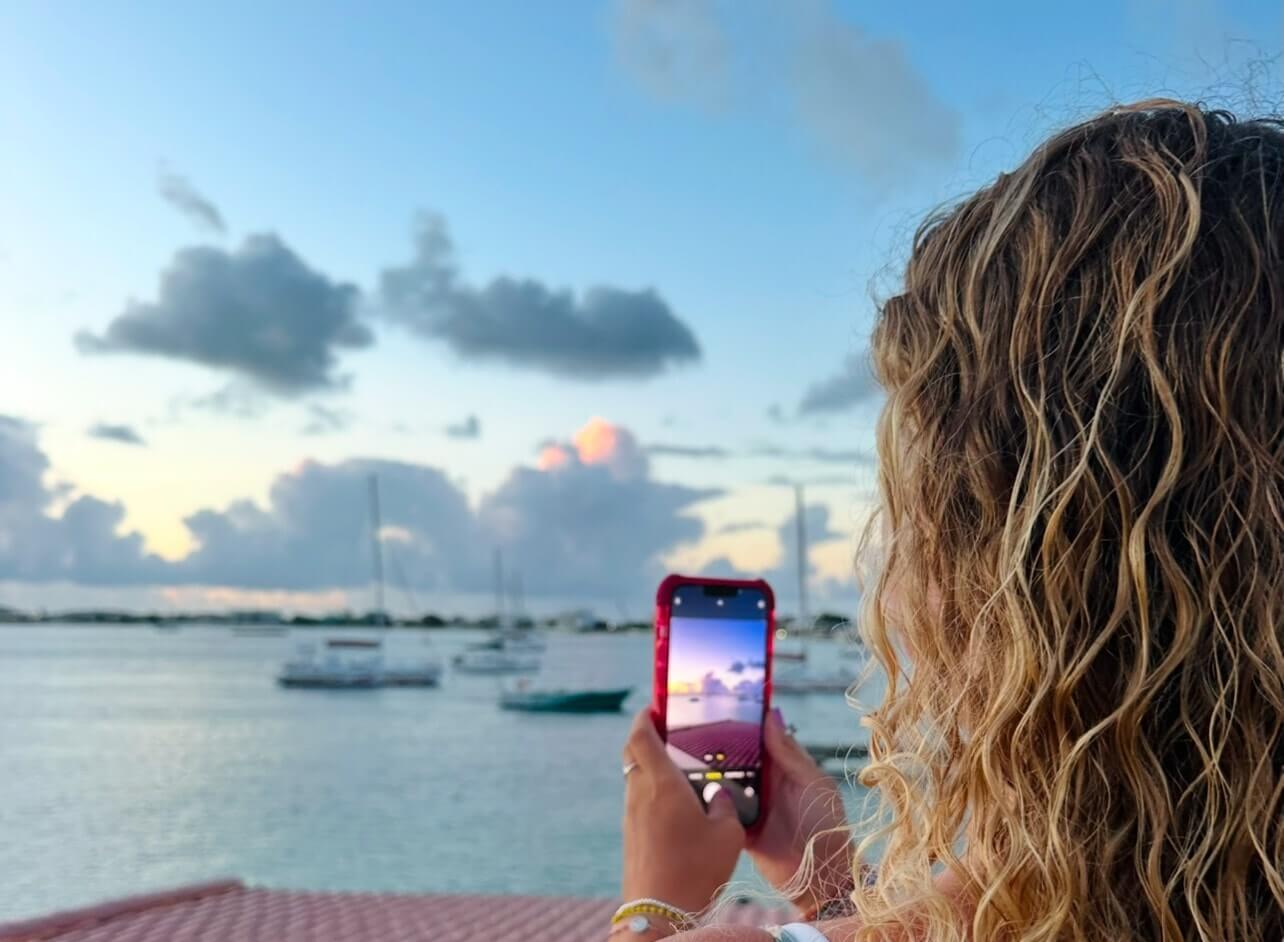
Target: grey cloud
313 533
235 400
865 101
739 526
260 312
858 96
783 576
468 427
848 456
853 384
323 420
125 434
819 454
606 332
584 528
688 451
775 413
79 545
179 193
676 49
822 480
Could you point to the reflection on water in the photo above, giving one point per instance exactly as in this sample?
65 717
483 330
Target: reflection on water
134 760
695 710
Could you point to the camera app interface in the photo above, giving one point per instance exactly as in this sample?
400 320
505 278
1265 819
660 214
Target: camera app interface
717 672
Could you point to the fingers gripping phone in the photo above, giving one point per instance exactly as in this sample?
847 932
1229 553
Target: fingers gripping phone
713 684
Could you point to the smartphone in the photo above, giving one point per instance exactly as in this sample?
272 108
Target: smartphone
713 683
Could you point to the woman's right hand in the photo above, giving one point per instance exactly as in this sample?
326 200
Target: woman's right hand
803 802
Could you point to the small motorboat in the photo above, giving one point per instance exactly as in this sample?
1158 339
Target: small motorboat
564 701
787 654
495 661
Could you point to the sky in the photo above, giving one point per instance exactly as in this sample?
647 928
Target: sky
715 655
587 283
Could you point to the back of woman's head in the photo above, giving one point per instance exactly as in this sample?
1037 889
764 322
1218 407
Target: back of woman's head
1082 600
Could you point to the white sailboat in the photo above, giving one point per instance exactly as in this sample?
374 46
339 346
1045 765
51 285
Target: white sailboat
513 650
358 662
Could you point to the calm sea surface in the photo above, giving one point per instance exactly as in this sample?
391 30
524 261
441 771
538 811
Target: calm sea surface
134 759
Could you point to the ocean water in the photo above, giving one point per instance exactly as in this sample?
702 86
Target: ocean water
133 759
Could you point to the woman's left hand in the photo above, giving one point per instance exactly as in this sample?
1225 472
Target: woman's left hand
674 850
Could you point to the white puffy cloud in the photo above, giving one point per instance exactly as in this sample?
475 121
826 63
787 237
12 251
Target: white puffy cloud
587 520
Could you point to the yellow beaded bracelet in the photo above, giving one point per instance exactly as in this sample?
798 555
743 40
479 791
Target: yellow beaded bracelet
654 907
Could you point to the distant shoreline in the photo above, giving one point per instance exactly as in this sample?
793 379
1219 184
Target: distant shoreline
822 626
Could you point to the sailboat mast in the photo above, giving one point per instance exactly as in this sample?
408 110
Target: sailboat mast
376 544
801 526
499 586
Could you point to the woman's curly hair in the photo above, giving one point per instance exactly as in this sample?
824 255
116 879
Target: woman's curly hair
1080 604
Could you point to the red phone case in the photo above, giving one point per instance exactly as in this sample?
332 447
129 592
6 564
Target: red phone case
660 684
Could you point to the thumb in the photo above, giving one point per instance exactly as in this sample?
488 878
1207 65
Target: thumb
723 815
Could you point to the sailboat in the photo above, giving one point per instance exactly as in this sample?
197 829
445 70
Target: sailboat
514 650
358 663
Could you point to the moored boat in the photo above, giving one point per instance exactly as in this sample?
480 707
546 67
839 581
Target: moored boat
495 661
564 701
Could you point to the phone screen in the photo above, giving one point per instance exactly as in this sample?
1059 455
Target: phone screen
716 703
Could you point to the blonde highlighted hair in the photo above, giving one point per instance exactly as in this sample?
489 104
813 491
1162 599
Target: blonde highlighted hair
1080 603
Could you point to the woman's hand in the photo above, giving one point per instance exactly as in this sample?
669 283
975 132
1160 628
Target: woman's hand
802 802
674 850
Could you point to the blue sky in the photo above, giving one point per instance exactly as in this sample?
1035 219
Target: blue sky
753 168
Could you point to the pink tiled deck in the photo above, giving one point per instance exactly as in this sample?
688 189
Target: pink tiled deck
739 741
231 912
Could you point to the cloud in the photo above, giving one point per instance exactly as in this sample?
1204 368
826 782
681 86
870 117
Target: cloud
739 526
775 413
125 434
864 100
468 427
688 451
590 518
821 480
595 525
853 384
859 97
848 456
236 400
604 333
314 532
81 544
712 686
323 420
260 312
820 454
676 49
179 193
784 574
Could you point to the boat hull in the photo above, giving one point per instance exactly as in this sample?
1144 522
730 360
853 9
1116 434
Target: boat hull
593 701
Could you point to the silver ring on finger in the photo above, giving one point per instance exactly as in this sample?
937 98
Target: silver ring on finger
628 768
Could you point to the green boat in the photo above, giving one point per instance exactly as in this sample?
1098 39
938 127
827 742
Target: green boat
564 701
